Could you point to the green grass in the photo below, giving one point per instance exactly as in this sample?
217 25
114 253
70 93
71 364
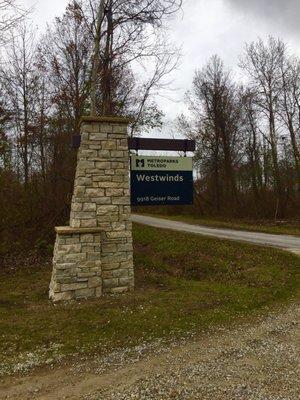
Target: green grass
266 226
184 283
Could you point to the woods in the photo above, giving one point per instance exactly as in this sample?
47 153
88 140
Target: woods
48 81
149 199
248 133
112 58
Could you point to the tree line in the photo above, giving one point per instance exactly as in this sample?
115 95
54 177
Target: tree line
113 57
247 134
114 52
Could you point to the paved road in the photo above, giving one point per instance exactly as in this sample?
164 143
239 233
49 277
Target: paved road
286 242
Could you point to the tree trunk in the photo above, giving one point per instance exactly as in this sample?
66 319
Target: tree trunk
96 63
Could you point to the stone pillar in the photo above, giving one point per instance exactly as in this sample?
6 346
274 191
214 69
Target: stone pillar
94 254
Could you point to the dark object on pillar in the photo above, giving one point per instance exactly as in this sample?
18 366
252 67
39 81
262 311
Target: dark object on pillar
76 139
151 144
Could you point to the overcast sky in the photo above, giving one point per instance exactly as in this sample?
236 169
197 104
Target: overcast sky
208 27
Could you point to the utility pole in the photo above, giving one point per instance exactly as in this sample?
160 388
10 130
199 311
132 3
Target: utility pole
100 15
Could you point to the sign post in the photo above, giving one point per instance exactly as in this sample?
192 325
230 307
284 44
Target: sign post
161 180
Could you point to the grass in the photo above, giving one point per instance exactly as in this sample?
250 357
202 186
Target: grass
184 283
266 226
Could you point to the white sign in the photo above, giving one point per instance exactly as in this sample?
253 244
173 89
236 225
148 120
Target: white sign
161 163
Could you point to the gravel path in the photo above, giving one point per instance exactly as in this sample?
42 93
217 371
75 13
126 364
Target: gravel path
285 242
257 360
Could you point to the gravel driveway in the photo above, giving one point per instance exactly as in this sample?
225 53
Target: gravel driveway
285 242
259 362
253 360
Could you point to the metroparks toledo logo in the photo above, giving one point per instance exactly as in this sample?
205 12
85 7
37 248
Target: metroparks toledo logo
140 163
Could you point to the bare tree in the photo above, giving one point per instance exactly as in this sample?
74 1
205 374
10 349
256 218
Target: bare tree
289 109
250 124
11 14
96 57
164 63
248 137
19 80
67 51
125 33
215 106
263 65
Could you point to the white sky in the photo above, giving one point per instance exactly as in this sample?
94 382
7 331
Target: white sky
207 27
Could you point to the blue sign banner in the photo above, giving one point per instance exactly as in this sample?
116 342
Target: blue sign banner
161 180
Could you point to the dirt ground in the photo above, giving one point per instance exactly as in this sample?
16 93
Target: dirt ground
257 359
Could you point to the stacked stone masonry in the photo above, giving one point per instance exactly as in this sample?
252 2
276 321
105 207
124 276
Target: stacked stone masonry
94 254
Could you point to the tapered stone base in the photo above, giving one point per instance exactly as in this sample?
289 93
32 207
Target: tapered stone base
94 254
